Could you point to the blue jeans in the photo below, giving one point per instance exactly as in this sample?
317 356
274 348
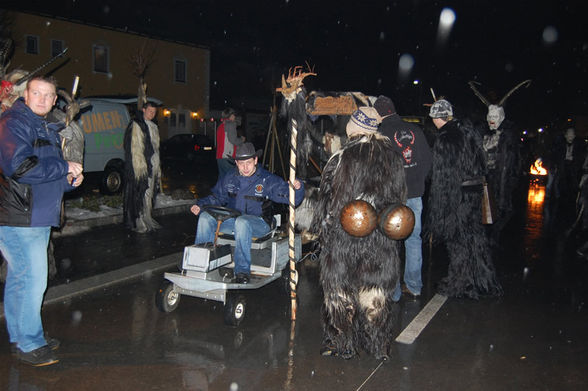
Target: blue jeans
25 251
244 228
413 253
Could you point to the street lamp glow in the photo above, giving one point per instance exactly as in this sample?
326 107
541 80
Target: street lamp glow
540 130
415 82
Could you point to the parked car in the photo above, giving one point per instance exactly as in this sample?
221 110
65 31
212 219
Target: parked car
187 148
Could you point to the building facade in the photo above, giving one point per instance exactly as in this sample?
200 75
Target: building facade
179 74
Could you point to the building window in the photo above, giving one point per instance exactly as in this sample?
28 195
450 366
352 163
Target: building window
182 120
57 46
100 57
32 44
180 71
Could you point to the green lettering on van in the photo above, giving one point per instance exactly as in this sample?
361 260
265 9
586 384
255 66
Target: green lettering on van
103 140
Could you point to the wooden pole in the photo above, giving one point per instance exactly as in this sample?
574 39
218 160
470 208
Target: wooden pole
291 199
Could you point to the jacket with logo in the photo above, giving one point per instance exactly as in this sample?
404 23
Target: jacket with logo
251 195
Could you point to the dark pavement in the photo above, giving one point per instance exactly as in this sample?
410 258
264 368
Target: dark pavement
113 337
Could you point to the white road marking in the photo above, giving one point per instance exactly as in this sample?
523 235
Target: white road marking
418 324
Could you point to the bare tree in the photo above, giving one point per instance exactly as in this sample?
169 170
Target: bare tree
140 61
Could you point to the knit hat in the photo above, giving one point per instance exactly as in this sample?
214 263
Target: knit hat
441 109
364 119
384 106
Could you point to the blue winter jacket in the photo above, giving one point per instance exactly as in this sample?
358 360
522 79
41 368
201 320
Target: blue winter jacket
251 195
30 154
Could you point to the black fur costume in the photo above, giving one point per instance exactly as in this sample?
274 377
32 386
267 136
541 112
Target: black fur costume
140 176
503 157
454 213
358 275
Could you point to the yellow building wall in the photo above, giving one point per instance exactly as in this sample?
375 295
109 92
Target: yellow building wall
190 97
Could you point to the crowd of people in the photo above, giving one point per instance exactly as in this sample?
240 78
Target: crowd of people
385 161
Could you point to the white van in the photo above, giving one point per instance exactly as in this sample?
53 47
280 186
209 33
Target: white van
104 126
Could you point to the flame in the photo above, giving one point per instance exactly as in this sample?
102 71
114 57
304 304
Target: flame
537 168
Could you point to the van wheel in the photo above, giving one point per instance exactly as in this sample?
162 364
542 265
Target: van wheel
112 181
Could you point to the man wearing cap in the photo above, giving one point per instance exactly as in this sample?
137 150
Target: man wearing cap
455 207
250 190
409 141
142 170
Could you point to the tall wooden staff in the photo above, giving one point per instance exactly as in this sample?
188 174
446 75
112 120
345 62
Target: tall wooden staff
292 220
291 89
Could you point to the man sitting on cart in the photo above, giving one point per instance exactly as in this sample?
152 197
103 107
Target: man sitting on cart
250 190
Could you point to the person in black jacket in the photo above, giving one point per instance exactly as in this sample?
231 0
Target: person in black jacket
408 139
454 215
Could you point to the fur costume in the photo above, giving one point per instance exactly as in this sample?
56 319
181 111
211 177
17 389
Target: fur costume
503 161
358 274
142 174
502 153
454 213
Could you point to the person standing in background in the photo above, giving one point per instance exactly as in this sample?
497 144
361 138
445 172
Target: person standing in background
227 142
408 139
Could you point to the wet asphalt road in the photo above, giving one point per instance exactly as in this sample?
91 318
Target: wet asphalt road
532 338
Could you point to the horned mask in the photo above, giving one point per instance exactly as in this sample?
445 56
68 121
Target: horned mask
496 113
495 116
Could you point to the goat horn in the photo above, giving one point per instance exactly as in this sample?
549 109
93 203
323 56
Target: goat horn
527 82
478 93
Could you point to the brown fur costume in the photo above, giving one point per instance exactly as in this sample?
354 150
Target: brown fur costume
358 275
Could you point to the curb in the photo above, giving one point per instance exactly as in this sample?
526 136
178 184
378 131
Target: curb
63 292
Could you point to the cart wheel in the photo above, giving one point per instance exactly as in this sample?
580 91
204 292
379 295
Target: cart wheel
234 310
167 299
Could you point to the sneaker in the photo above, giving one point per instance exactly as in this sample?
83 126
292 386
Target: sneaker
242 278
39 357
53 344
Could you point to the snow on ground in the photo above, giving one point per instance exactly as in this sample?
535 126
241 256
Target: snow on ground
73 213
77 218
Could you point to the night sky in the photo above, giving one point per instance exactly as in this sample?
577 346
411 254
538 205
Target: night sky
357 46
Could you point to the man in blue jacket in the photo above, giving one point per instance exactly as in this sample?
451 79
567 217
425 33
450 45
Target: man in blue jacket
33 178
250 190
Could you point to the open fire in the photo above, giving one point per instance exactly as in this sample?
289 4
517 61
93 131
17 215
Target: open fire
537 168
